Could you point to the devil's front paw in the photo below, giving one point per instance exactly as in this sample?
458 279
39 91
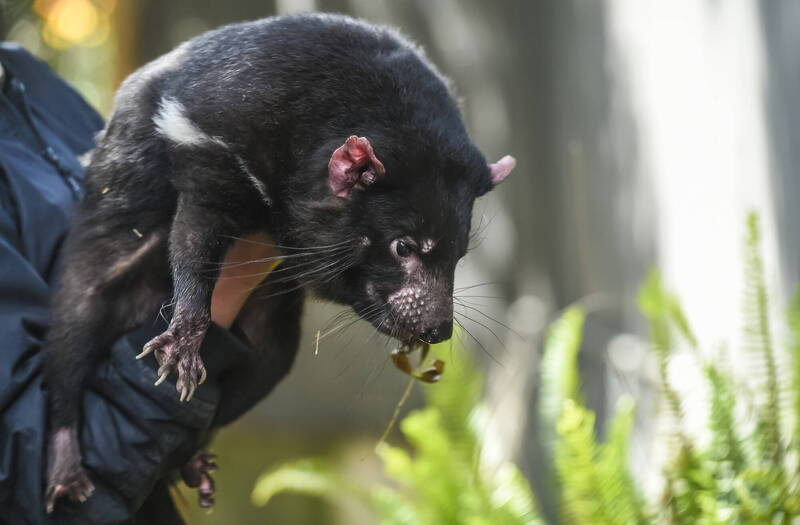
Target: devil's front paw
197 475
180 355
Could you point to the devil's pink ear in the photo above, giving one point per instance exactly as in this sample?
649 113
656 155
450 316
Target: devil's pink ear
501 169
353 166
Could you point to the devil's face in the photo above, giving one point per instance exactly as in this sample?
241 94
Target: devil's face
401 228
416 237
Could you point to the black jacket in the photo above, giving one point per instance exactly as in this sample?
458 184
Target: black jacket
134 435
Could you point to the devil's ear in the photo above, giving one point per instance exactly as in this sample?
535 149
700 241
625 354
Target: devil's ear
353 166
501 169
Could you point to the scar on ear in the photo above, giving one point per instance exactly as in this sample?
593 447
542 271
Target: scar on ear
353 166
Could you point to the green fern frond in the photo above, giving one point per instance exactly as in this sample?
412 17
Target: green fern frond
662 309
794 353
394 508
560 379
688 486
623 501
725 443
442 477
311 477
762 496
576 462
512 498
456 394
596 484
758 340
725 457
444 480
680 322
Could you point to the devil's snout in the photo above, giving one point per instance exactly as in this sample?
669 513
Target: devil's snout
422 312
443 332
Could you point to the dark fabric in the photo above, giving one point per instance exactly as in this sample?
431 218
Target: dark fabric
134 434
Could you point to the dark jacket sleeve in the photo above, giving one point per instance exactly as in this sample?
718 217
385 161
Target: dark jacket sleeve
133 434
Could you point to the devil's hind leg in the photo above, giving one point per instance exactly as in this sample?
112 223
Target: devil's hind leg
101 296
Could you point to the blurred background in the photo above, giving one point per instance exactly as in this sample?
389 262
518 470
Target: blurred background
644 130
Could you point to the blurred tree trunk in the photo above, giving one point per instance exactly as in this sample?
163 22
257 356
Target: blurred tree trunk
779 20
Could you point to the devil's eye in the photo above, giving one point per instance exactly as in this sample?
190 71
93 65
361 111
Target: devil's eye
403 249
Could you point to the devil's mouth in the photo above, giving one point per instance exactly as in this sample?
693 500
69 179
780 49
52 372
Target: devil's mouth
384 320
403 334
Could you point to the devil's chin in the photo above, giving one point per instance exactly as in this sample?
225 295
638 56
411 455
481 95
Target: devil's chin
384 324
407 335
384 321
402 334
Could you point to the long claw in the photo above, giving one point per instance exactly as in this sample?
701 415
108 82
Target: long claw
148 349
52 496
183 388
163 369
203 375
162 378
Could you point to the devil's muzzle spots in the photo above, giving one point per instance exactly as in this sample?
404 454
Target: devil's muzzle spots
416 312
409 306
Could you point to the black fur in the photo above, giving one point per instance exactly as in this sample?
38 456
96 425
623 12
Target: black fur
272 99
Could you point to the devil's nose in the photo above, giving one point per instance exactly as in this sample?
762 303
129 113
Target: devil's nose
443 332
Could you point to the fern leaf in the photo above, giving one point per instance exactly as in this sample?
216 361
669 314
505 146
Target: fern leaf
758 339
560 379
443 478
624 503
576 456
312 477
762 495
661 308
725 444
512 498
395 509
688 484
456 395
794 349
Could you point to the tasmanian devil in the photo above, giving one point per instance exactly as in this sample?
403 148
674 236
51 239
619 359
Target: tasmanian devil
336 137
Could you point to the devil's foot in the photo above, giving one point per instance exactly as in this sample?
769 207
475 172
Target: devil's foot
65 475
196 474
179 355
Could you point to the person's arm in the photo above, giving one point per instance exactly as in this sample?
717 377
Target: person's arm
174 430
133 434
247 263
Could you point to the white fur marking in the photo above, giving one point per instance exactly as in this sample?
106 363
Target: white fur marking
262 190
171 122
